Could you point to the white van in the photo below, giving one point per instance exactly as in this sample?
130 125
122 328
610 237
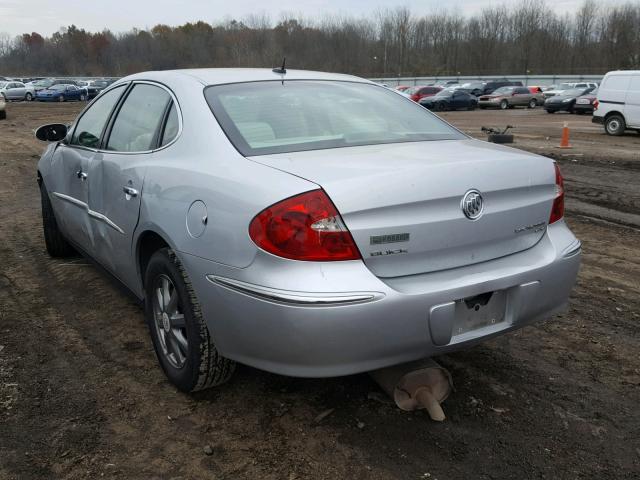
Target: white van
618 103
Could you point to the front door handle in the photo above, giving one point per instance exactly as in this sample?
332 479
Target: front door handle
132 192
81 175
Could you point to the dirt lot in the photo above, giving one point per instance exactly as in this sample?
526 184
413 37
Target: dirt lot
81 395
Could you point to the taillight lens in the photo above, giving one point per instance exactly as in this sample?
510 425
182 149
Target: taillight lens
557 211
595 104
305 227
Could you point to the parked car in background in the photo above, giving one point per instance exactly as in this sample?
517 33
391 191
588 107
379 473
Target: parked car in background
92 91
563 87
584 103
17 91
535 89
3 107
331 209
618 104
565 101
61 93
402 88
472 88
449 99
510 97
492 86
421 91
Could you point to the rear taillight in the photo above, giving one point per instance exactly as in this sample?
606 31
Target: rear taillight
305 227
595 104
557 211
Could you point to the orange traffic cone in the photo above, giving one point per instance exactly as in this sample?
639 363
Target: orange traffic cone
564 143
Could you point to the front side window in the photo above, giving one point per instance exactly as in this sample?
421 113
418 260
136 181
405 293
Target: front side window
90 126
262 118
136 127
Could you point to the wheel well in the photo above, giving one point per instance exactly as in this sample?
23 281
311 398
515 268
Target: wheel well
149 243
614 113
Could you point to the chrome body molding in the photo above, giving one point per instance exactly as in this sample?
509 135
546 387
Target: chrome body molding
295 298
91 213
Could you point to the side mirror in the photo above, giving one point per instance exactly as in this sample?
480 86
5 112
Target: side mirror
51 133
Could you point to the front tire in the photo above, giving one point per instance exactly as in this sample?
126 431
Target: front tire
83 98
504 105
533 103
61 98
57 246
615 125
28 97
181 339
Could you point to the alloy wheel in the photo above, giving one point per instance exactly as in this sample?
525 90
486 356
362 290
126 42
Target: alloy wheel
170 322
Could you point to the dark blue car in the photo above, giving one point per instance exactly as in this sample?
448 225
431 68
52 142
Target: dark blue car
61 93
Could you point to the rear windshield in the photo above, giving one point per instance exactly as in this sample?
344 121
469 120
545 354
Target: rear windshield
262 118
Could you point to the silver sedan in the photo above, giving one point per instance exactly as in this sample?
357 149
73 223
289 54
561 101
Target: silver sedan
304 223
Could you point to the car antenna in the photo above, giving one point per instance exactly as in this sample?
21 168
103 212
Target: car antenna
282 70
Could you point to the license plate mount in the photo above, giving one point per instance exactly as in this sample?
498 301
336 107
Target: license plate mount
480 311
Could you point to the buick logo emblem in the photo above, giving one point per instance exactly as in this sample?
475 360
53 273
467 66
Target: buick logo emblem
472 204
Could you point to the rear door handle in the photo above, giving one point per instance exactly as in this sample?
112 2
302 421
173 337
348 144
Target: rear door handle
132 192
81 175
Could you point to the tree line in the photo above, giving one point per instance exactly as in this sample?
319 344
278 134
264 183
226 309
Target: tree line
526 38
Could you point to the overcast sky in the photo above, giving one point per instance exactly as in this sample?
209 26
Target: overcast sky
47 16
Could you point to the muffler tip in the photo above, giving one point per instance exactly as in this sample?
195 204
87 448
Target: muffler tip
416 385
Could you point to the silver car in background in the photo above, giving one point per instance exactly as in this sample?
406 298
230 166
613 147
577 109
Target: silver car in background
12 90
304 223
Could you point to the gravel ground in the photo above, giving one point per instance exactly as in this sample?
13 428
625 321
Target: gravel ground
81 395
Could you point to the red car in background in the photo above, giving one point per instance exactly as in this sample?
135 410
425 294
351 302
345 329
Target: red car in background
421 91
402 88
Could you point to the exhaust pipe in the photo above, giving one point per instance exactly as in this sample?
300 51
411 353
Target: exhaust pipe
416 385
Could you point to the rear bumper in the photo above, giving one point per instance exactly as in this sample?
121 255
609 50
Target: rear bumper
597 119
262 318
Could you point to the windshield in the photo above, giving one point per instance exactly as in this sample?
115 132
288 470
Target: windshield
576 92
58 87
412 90
262 118
444 93
2 84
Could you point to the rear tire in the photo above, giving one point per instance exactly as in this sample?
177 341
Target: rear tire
533 103
551 111
615 125
57 245
181 339
3 115
61 98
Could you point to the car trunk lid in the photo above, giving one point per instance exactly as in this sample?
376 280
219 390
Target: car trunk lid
402 202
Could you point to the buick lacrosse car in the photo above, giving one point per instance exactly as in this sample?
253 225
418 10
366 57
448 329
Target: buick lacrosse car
304 223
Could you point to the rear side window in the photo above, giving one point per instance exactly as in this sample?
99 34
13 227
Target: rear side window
262 118
617 82
90 126
171 127
136 126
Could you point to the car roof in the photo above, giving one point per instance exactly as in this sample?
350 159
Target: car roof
219 76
